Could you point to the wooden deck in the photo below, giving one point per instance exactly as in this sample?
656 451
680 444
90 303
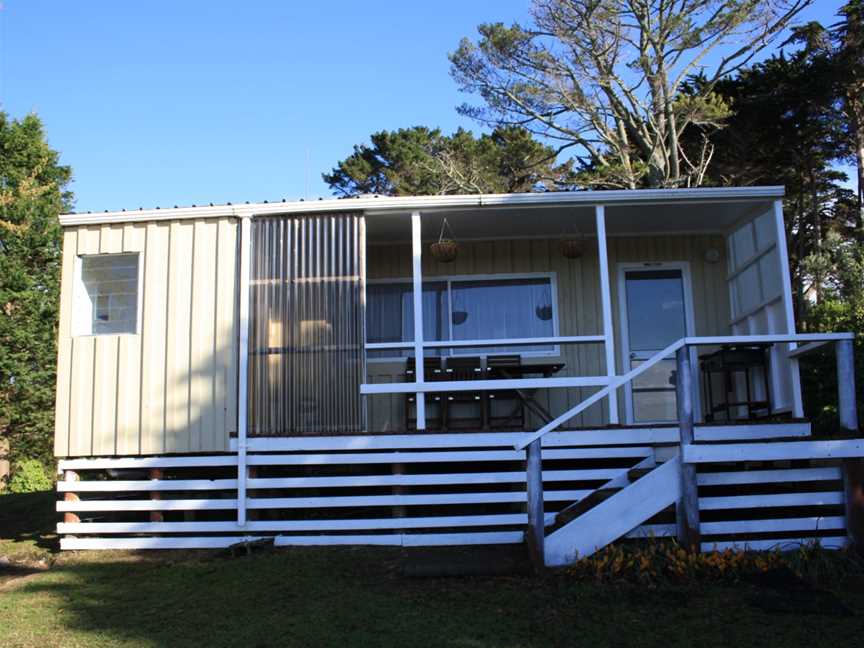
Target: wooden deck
436 489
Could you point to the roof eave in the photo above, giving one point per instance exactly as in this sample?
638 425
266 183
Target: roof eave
389 204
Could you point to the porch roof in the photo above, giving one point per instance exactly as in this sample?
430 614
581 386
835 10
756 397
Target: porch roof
721 206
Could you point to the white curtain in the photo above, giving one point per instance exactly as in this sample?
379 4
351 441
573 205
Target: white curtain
509 308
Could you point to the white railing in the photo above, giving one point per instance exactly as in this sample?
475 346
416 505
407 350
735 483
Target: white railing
446 344
608 384
688 503
423 387
815 340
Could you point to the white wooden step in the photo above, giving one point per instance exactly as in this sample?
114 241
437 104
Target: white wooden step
616 516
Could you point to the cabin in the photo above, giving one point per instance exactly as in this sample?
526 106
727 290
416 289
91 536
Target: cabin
558 370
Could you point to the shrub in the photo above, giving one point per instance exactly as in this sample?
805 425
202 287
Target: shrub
656 562
29 476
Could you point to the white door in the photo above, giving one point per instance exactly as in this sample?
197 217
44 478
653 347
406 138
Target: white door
655 312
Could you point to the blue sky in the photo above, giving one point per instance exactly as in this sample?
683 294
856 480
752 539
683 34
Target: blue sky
164 103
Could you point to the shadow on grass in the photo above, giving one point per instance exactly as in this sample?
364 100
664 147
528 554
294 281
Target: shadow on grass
302 597
359 597
27 525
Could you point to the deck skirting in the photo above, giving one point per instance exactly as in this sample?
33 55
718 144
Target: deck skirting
427 489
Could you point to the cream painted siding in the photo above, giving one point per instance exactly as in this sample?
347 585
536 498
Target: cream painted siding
173 386
579 309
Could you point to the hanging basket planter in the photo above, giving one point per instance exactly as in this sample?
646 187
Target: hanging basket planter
446 249
544 313
543 310
571 248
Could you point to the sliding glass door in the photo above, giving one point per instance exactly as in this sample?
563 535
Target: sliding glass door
465 308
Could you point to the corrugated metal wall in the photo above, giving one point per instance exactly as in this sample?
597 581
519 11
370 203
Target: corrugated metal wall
578 301
173 387
306 335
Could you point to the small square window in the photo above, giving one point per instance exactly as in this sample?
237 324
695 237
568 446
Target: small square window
106 299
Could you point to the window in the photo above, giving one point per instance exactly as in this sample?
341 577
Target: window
106 294
756 276
464 308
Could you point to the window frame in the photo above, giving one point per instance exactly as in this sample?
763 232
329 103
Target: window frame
82 325
737 267
449 279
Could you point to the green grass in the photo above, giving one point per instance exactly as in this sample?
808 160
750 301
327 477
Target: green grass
359 597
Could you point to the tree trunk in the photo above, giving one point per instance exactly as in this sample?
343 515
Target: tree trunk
817 231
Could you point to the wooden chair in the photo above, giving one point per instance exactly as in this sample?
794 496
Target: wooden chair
463 368
497 367
432 372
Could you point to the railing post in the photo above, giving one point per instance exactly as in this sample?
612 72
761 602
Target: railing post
847 408
853 469
687 513
606 304
536 527
417 281
243 367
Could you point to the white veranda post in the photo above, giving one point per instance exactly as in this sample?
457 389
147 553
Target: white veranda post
606 302
783 260
243 350
417 273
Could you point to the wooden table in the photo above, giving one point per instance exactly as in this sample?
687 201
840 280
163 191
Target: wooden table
526 396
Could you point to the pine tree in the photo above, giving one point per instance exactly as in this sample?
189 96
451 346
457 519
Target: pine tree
421 161
32 194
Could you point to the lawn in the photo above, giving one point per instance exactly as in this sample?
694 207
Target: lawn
360 597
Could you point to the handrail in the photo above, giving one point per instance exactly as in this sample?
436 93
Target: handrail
619 381
446 344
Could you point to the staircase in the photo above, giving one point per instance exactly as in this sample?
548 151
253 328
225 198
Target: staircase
612 511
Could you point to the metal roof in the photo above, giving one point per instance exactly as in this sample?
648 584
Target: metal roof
372 205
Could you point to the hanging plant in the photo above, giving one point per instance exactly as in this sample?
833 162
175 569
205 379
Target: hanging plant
544 310
459 317
446 249
571 245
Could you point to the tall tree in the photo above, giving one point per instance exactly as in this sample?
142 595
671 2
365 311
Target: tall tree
605 76
787 127
32 194
849 42
423 161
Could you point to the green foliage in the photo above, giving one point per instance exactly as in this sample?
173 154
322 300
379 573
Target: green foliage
29 476
656 562
606 76
32 194
818 375
848 41
423 161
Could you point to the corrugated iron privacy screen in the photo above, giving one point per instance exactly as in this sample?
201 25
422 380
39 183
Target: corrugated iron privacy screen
306 332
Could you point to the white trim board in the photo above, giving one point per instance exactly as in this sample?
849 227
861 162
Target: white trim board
783 544
586 437
326 502
776 451
221 542
432 522
391 204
